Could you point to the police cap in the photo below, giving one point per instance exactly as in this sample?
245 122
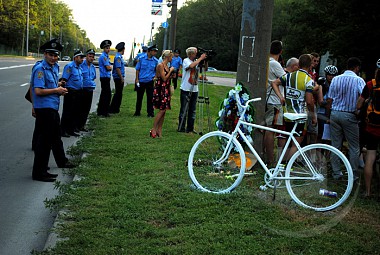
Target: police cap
79 53
177 51
105 43
120 46
153 47
52 46
90 51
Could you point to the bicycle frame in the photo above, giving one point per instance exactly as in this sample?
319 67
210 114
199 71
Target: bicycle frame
290 138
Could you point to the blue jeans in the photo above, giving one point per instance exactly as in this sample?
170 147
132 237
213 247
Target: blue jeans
189 108
345 124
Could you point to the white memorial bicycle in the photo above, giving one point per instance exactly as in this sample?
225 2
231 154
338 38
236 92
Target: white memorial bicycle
217 164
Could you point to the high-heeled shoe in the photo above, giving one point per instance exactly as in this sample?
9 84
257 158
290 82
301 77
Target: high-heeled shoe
151 134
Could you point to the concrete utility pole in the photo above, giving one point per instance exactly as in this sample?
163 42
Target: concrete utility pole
252 68
173 25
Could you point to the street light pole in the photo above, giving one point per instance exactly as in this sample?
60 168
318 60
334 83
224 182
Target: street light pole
27 31
173 25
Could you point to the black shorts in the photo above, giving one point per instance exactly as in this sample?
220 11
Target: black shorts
372 141
300 130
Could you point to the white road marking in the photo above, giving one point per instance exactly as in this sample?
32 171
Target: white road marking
25 84
11 67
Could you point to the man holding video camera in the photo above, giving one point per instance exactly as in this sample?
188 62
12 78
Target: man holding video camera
189 89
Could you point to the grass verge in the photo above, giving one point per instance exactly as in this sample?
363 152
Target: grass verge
135 197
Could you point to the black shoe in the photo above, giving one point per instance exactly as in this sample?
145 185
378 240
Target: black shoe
181 130
74 134
65 134
191 131
51 175
150 115
68 164
136 114
44 178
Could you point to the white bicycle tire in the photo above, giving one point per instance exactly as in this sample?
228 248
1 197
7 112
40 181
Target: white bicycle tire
290 167
196 147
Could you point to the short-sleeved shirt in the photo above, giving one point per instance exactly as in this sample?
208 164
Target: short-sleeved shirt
275 71
345 90
118 63
296 85
104 60
45 76
89 75
73 74
147 68
189 76
176 62
365 95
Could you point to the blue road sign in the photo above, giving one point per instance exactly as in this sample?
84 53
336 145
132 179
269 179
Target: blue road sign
156 1
165 24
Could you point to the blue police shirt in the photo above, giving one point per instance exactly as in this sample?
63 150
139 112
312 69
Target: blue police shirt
89 76
118 63
45 76
104 60
176 62
73 74
147 68
138 56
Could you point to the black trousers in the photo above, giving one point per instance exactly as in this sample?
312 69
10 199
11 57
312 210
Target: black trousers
48 138
117 97
175 80
148 86
188 110
105 96
85 107
70 112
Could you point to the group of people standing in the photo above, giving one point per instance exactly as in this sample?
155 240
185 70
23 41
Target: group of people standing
332 102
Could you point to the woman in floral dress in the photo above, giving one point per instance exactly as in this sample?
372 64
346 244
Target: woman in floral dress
161 92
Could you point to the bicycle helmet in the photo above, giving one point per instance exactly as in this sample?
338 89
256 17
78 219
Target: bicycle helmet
330 69
378 63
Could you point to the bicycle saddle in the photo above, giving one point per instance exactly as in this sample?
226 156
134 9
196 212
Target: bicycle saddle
295 116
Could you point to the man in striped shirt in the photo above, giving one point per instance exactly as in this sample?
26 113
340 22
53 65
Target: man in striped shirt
343 94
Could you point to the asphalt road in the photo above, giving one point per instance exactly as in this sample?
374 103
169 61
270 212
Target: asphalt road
24 220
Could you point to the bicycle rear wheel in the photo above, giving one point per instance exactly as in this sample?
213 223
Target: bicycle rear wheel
306 192
214 166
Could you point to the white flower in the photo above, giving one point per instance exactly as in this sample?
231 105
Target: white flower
226 102
231 93
217 123
238 88
221 112
229 113
245 97
249 138
249 118
249 128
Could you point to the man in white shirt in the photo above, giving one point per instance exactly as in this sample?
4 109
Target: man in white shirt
273 109
189 90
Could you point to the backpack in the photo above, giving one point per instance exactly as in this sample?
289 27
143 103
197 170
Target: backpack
373 109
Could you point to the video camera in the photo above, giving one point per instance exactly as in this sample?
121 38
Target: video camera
209 53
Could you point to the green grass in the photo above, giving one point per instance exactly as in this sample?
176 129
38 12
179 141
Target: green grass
135 197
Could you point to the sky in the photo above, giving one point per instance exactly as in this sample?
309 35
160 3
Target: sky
117 20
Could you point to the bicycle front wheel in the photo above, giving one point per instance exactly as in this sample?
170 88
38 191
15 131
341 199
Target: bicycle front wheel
216 163
320 177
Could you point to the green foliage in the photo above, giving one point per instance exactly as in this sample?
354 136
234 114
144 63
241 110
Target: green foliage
13 19
135 197
344 28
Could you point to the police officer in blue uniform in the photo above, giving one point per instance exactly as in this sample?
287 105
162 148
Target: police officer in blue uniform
118 74
46 92
72 75
140 54
177 64
145 73
89 76
105 69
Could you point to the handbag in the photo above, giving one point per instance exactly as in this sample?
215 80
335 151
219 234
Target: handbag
27 95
